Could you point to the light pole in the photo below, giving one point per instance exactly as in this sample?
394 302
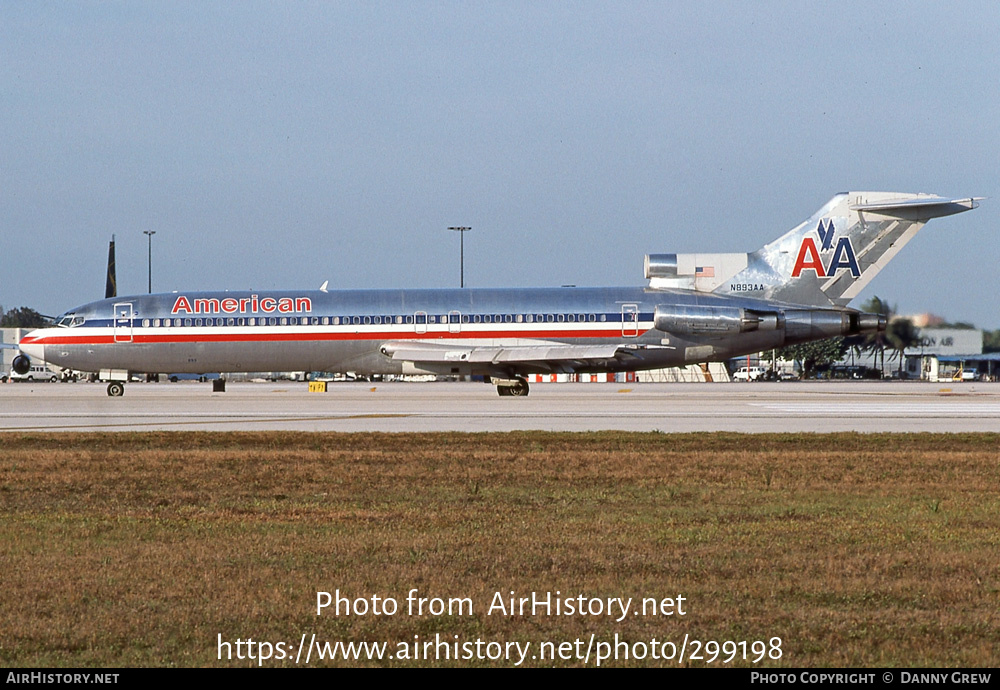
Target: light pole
149 234
461 233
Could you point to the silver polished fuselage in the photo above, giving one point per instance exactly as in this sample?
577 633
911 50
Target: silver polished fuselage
345 331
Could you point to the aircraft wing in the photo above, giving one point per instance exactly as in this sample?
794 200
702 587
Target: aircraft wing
523 356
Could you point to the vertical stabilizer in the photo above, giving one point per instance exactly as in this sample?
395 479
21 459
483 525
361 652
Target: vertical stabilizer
111 286
830 258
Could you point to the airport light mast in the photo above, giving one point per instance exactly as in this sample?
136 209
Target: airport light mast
461 232
149 234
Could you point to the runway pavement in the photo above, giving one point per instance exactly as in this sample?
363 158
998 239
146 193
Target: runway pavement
668 407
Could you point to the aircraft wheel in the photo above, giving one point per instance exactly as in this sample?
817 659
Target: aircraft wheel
116 389
519 389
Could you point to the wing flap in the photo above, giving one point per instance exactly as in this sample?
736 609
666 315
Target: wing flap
535 353
551 353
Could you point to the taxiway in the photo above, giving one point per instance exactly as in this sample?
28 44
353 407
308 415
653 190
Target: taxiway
471 407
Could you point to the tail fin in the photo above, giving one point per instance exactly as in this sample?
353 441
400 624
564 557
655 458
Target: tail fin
111 284
825 261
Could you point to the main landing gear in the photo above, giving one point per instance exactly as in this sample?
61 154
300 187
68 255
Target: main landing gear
116 389
516 387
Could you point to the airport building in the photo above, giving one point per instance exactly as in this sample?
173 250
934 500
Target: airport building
944 354
39 371
951 354
10 336
713 372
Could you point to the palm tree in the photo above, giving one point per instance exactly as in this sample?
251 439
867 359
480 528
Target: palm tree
901 334
877 342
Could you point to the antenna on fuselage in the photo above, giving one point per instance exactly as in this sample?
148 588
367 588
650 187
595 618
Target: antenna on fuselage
111 286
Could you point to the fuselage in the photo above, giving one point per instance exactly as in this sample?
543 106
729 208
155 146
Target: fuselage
344 331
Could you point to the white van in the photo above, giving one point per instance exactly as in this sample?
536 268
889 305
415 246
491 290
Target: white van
750 374
37 372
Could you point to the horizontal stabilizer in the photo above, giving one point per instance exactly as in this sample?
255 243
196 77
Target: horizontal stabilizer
921 208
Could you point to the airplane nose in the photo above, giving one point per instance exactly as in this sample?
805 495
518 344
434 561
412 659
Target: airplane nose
34 350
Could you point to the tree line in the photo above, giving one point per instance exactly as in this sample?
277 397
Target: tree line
23 317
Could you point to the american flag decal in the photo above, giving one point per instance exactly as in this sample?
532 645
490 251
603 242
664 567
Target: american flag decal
705 271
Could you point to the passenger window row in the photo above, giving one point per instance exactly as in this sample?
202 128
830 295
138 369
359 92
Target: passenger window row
419 318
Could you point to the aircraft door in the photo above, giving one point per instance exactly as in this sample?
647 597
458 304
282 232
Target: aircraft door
123 322
454 322
630 320
420 322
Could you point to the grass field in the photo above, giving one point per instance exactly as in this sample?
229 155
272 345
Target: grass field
855 550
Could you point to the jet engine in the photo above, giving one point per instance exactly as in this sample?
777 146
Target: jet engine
799 325
802 325
704 320
21 364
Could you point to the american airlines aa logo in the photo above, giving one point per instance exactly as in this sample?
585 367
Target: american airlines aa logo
810 258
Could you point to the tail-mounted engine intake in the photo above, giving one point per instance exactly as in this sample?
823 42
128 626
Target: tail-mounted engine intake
699 320
699 272
660 266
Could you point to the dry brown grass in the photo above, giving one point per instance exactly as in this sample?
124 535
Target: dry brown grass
857 550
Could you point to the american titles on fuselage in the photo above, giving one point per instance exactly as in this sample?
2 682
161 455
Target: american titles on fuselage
241 305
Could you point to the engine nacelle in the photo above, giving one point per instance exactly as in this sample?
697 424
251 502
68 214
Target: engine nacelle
862 322
813 324
800 325
705 320
21 364
803 325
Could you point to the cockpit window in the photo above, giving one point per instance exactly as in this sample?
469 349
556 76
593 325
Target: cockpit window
70 321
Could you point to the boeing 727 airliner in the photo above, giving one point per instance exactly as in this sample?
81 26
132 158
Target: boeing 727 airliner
696 308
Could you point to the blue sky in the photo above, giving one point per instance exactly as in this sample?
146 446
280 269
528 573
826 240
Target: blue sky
278 145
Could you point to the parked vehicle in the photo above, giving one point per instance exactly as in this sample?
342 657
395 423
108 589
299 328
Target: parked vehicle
37 372
855 372
750 374
174 378
969 375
